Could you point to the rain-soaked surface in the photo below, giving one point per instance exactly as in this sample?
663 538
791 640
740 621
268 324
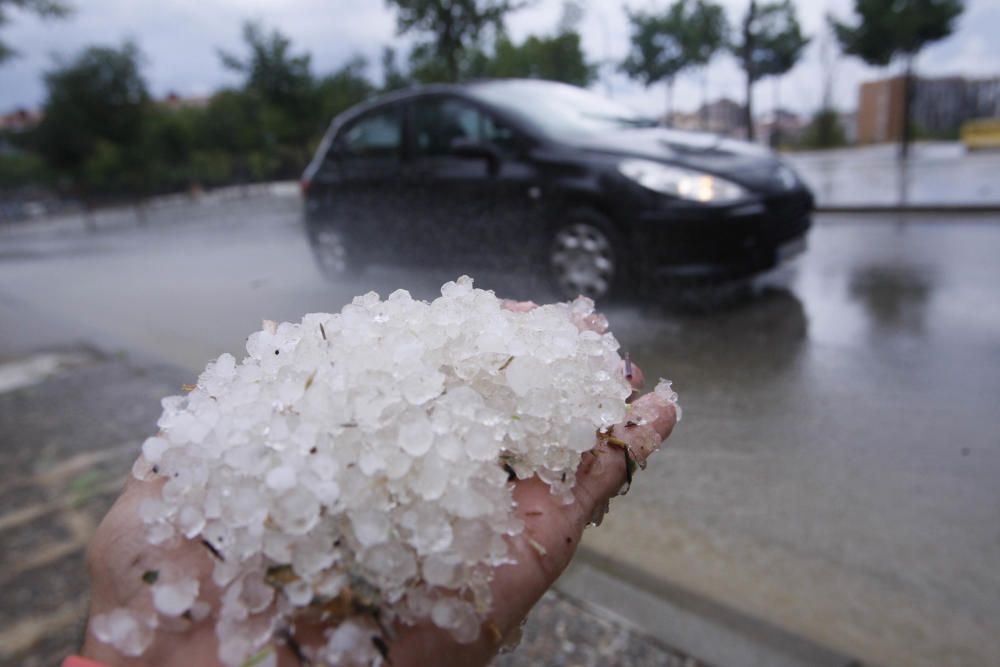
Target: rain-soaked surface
836 470
937 173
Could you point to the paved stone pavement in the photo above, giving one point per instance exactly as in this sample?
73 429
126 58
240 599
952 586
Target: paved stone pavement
70 425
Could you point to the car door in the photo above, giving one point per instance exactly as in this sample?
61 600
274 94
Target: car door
472 193
360 183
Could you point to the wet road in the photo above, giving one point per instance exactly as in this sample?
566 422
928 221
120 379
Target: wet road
835 473
937 173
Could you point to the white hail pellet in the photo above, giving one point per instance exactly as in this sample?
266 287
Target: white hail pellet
364 456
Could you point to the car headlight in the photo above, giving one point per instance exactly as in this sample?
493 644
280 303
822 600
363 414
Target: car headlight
679 182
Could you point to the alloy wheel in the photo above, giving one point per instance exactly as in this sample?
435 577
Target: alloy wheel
583 261
331 251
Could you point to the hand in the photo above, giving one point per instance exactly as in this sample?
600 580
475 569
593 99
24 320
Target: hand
119 555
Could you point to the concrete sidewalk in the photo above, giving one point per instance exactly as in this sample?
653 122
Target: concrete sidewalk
71 421
939 176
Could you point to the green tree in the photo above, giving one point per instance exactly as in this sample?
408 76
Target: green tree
556 58
343 89
393 78
824 131
43 8
455 26
271 70
706 37
283 82
20 169
280 98
890 30
688 34
770 43
94 119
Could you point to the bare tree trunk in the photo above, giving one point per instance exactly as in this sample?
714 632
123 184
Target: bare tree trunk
908 91
703 112
452 60
668 117
775 138
451 46
748 66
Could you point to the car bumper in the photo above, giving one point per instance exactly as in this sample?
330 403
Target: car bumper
701 244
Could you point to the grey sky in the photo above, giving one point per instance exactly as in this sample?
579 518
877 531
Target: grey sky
179 39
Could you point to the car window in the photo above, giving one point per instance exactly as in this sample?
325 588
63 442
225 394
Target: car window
440 123
559 110
376 135
498 133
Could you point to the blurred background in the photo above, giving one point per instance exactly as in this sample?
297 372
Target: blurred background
830 497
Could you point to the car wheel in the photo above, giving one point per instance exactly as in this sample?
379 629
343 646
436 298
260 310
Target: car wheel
585 257
332 255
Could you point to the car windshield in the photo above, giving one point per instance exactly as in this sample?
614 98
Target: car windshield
559 110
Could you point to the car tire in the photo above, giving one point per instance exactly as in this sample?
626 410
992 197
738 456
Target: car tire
585 255
334 256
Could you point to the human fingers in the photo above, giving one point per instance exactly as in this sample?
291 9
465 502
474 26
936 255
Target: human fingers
633 374
518 306
552 530
609 467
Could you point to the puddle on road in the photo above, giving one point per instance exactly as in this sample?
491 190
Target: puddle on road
37 368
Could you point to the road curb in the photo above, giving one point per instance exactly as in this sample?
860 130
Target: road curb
907 210
687 622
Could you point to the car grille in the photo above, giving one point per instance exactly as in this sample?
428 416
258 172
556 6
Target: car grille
789 207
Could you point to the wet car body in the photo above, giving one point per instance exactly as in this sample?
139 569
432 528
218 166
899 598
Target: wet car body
457 175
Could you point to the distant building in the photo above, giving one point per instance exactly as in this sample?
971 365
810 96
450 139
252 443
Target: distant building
723 116
940 106
779 127
20 120
175 101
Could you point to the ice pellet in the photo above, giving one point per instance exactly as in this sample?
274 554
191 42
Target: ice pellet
360 461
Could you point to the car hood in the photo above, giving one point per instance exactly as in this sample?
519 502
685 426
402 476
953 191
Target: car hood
748 164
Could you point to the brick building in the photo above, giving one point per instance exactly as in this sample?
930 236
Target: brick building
940 106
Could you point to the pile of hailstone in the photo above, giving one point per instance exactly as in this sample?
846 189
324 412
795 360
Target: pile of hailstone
356 467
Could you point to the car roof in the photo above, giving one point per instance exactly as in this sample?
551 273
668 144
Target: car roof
424 89
410 92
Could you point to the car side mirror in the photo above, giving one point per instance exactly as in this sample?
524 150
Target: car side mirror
467 148
462 147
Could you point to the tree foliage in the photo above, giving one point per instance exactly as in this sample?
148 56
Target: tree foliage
824 131
687 35
42 8
888 30
102 134
657 53
95 116
707 31
270 69
769 43
343 88
393 77
269 126
556 58
454 27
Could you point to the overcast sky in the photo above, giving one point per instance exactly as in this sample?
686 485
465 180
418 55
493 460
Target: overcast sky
180 37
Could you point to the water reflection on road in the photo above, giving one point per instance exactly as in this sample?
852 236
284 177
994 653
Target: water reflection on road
839 449
839 454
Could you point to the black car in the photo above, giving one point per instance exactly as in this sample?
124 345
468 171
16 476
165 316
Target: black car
533 174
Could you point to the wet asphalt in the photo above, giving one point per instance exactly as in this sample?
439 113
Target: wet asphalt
836 472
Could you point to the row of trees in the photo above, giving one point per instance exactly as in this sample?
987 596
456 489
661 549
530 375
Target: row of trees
768 41
102 133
